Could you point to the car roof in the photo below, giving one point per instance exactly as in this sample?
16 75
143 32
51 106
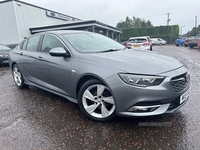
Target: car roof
64 31
56 32
139 37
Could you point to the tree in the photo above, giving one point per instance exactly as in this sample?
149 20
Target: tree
125 24
192 32
134 22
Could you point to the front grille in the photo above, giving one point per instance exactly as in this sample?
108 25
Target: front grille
180 82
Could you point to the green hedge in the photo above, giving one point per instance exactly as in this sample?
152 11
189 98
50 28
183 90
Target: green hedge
168 33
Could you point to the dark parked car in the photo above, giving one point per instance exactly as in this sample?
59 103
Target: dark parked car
11 45
124 42
179 41
100 75
4 51
193 42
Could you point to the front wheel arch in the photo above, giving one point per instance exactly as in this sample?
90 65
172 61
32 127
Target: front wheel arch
86 78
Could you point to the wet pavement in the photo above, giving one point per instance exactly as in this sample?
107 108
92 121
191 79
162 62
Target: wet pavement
35 119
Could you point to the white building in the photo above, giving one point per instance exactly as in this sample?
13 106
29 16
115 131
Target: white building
19 19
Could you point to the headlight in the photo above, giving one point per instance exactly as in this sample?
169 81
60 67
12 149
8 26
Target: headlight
1 55
141 80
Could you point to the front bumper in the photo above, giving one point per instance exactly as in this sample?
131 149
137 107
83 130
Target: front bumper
141 47
163 96
192 44
4 59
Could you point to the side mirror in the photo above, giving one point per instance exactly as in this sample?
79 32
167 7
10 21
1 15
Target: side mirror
58 51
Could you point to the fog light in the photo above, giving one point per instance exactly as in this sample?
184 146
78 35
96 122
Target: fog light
143 108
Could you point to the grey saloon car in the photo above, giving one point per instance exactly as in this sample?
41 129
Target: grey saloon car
100 75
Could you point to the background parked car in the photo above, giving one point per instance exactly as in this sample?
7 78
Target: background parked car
193 42
139 43
179 42
186 42
199 43
124 42
11 45
4 50
158 41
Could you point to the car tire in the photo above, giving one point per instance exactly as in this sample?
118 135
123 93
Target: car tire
191 46
18 77
96 101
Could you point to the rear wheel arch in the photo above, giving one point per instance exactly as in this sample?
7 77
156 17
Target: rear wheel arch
17 76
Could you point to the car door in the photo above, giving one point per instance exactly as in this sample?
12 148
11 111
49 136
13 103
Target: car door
55 72
27 58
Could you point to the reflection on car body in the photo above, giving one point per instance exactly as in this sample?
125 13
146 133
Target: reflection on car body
100 75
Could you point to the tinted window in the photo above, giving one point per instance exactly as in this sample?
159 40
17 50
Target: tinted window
33 43
139 40
50 42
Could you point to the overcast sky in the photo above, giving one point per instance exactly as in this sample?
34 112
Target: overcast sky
182 12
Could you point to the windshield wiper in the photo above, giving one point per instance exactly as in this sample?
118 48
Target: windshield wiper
109 50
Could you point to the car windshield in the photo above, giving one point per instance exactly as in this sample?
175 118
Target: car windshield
92 42
3 47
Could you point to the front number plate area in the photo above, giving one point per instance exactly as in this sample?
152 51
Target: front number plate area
184 96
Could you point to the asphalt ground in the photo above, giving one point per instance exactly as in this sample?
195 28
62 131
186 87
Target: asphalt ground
33 119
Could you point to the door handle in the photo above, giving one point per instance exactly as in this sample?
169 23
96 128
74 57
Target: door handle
21 53
39 58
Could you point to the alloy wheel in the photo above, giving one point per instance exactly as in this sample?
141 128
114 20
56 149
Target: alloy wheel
98 101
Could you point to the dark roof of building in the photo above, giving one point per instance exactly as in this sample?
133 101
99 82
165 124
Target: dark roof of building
73 25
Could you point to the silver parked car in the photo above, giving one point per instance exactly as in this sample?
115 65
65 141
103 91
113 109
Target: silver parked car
99 74
142 42
158 41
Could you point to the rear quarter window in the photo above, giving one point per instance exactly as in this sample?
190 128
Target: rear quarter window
33 43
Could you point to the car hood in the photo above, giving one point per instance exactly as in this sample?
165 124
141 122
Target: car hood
4 52
134 61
